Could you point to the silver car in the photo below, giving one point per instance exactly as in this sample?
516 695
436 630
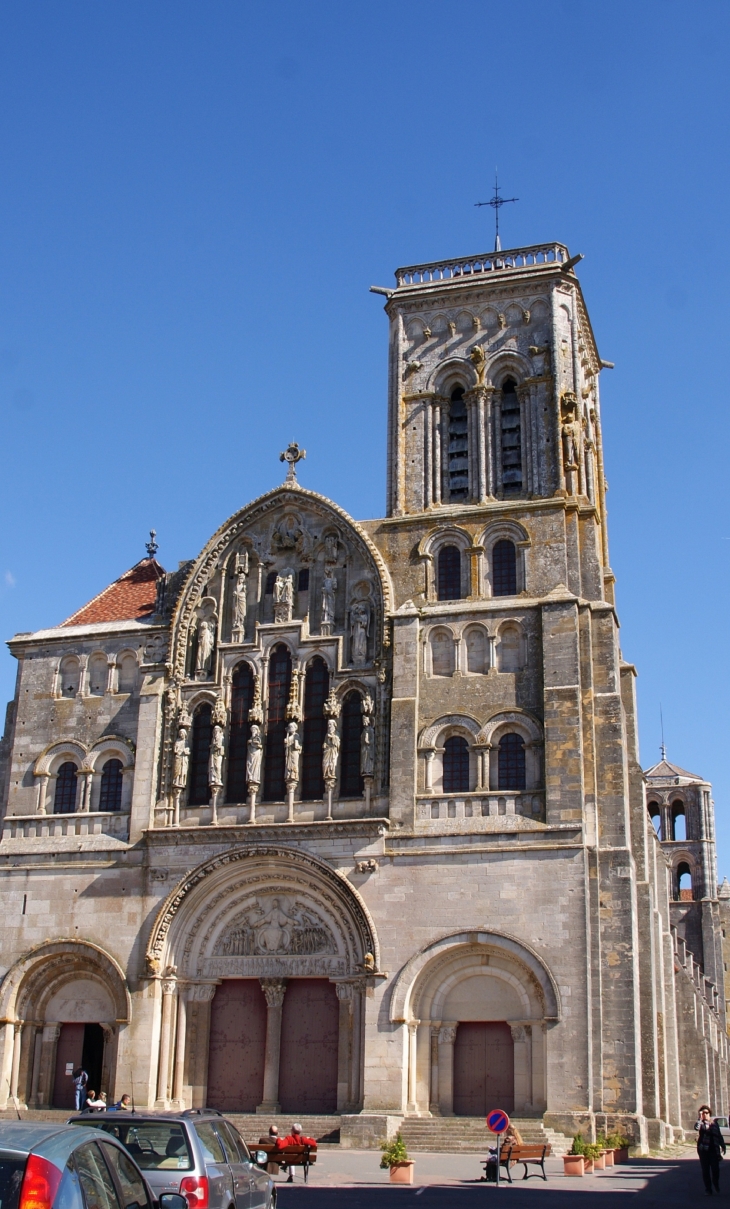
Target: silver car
45 1165
197 1153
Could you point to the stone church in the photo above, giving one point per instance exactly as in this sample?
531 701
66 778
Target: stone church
347 817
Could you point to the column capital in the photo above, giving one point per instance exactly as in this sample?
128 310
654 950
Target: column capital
274 990
447 1034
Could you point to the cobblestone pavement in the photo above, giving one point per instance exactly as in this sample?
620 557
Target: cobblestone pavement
353 1180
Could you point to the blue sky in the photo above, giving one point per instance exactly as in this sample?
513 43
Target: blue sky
195 199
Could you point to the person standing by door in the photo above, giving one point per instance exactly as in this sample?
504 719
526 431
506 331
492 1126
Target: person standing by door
709 1144
80 1079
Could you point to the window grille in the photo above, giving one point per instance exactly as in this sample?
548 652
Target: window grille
110 794
64 801
456 765
511 765
449 573
200 753
351 783
279 687
511 441
241 701
504 569
458 448
316 688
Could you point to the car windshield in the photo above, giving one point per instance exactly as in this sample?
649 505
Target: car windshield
11 1177
154 1145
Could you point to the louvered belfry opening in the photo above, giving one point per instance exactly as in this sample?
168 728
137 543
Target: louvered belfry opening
458 448
511 441
280 670
316 687
241 701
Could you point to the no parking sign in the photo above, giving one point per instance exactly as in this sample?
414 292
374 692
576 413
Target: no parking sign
497 1120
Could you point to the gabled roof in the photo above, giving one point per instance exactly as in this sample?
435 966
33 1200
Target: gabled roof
664 771
132 597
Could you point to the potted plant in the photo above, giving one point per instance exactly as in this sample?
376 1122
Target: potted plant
620 1146
574 1162
395 1156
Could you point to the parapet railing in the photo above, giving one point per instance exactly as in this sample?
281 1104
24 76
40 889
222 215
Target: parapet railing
44 826
481 803
518 258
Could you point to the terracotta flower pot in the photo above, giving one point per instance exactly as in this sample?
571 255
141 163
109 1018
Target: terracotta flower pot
402 1173
599 1162
608 1158
573 1164
588 1166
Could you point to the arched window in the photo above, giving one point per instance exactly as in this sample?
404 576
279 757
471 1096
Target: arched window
127 674
511 762
511 441
456 765
458 448
351 783
98 675
199 752
679 821
510 644
64 801
110 795
241 701
279 688
70 676
316 687
443 655
449 573
477 659
655 815
685 890
504 568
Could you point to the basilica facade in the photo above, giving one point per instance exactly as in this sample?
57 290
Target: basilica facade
347 817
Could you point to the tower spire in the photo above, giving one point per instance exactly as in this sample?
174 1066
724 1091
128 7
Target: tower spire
496 203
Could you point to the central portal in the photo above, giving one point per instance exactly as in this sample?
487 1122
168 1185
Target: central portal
484 1068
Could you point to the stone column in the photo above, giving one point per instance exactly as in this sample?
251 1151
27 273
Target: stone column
51 1033
43 779
356 1058
178 1079
344 1048
15 1067
481 446
412 1101
427 455
482 750
36 1072
492 640
274 989
83 801
447 1037
434 1104
163 1068
437 470
428 780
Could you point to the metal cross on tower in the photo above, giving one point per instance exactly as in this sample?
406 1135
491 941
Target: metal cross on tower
292 454
496 202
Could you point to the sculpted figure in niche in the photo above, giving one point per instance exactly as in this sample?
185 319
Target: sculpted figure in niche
239 597
292 752
359 631
215 760
329 587
283 597
367 747
254 752
206 643
330 548
181 760
330 752
273 932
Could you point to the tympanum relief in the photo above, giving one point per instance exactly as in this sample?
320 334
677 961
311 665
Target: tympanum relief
274 935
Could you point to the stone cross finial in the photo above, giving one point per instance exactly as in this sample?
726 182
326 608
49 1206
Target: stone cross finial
151 546
292 454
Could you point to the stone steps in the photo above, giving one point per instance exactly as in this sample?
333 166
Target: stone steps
470 1134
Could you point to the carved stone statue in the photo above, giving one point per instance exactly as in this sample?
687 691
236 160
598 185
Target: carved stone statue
283 597
181 760
329 587
239 597
330 548
478 359
215 760
254 752
330 752
367 747
359 630
292 752
206 644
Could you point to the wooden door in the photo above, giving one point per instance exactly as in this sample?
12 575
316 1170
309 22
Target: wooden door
484 1075
69 1052
237 1046
309 1042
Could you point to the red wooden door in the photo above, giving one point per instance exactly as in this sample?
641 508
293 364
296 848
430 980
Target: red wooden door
309 1039
68 1052
237 1045
484 1068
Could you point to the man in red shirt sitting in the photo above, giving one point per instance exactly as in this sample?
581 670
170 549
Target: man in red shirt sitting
295 1138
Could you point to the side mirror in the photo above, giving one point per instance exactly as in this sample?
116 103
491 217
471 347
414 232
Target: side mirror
173 1200
261 1158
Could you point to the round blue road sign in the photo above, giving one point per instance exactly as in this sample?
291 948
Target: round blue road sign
497 1120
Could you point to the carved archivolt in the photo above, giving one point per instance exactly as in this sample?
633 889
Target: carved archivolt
40 974
431 734
109 745
262 912
511 720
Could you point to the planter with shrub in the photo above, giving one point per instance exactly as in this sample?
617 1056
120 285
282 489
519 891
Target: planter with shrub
395 1157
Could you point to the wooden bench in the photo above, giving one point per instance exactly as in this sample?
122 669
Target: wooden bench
288 1156
527 1155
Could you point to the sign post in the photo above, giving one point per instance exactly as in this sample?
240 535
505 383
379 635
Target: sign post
497 1122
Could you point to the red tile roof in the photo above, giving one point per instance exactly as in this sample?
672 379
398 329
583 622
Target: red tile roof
130 598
